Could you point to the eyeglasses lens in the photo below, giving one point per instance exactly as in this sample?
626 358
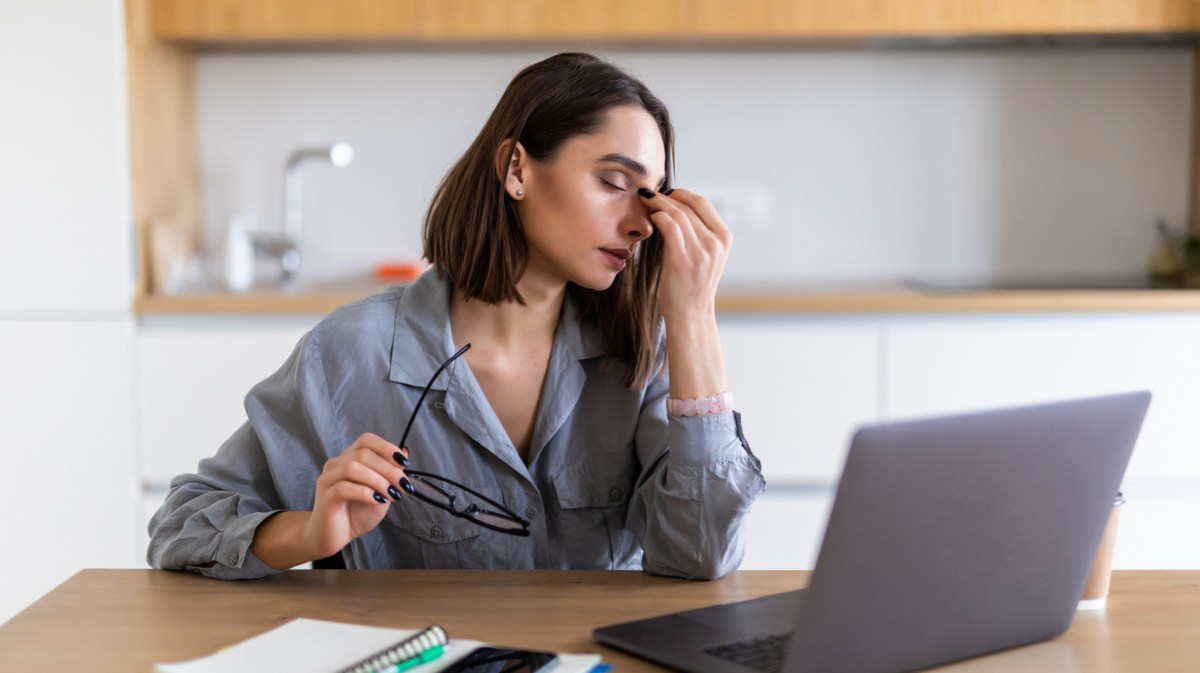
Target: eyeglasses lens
496 520
432 492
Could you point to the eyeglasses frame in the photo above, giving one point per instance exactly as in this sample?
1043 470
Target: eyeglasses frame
471 508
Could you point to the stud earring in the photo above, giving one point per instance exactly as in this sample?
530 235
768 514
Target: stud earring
520 193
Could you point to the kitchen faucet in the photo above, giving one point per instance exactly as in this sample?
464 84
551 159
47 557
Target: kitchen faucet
287 247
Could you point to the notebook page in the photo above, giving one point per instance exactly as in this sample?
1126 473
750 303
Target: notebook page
317 646
299 646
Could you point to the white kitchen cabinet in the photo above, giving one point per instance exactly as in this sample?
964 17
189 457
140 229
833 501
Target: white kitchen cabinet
943 365
802 386
946 365
192 376
785 528
68 490
65 235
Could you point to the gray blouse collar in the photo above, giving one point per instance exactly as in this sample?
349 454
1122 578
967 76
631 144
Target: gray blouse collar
422 341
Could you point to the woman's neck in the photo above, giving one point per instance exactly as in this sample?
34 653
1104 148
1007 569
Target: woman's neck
509 325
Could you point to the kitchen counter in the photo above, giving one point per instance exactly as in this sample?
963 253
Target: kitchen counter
739 298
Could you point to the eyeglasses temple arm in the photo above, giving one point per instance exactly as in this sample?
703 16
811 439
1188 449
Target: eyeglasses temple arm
425 392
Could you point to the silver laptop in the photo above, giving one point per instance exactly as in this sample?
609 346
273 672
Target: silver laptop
949 538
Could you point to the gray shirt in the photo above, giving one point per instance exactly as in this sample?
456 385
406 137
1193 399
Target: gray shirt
612 481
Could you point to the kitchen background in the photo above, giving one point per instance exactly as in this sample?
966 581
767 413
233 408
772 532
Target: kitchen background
835 166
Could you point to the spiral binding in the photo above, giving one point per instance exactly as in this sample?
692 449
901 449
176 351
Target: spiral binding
402 651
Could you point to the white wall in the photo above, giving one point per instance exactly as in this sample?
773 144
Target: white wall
67 471
876 164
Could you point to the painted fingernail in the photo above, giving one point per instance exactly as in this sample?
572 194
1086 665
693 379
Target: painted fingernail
404 482
380 499
399 458
396 495
645 193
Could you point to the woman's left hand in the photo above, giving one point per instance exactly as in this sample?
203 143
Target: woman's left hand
696 245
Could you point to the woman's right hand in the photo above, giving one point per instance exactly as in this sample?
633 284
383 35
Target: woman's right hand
354 492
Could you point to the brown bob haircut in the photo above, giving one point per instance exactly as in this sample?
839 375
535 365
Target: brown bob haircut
472 234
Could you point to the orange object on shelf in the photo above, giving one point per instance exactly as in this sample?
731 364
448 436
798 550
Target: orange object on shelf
399 271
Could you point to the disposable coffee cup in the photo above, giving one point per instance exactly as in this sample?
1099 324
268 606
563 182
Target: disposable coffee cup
1095 592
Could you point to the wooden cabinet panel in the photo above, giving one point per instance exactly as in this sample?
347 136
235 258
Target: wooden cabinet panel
826 18
1080 16
876 18
553 19
286 20
486 20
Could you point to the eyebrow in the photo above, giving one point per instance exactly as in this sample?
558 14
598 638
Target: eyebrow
630 163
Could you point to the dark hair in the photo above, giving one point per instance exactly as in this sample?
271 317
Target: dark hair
472 234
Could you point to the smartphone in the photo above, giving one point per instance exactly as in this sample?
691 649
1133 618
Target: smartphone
500 660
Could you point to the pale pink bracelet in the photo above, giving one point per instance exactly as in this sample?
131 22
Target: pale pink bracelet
701 406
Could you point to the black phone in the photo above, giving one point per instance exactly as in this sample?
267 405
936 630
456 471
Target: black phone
500 660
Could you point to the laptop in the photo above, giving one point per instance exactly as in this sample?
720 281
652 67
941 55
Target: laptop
948 538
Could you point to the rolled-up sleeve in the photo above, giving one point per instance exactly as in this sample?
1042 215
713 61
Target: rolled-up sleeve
695 491
270 464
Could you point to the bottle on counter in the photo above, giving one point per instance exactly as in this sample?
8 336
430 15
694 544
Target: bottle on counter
239 255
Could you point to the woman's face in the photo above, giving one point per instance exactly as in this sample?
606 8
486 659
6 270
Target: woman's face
581 212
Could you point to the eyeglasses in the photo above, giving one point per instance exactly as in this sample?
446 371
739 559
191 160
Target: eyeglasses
440 491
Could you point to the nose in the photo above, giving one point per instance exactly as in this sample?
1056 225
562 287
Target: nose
638 225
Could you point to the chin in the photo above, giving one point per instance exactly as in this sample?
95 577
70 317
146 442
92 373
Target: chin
596 283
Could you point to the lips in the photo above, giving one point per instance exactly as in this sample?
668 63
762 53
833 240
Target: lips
616 256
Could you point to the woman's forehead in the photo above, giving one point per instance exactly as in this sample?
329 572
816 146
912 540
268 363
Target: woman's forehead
629 137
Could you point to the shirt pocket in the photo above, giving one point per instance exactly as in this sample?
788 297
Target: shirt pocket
593 501
433 538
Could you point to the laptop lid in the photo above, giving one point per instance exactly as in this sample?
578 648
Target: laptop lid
949 538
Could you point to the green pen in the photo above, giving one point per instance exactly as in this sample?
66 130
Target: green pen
428 655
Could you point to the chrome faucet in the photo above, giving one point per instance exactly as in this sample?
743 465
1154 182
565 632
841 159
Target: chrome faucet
286 248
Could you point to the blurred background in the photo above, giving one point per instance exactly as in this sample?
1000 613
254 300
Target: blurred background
939 206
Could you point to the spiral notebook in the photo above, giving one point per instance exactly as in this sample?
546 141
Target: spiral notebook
317 646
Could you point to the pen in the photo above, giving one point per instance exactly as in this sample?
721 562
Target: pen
428 655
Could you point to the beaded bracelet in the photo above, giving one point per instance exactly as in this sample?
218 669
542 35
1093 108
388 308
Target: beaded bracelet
701 406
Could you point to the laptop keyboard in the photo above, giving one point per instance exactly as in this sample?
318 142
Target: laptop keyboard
760 654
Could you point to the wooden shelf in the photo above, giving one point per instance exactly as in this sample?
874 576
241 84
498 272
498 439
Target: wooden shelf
746 300
291 21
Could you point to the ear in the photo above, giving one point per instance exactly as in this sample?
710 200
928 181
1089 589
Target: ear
512 172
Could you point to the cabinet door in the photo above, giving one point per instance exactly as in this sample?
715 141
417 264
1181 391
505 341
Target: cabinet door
553 19
192 376
943 365
802 386
67 485
65 235
785 528
289 20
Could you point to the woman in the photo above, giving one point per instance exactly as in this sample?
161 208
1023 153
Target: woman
556 247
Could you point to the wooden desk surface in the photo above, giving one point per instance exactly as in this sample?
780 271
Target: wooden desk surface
126 620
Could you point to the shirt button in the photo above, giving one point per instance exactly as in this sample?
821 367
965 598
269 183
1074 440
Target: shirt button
439 405
531 513
615 495
436 532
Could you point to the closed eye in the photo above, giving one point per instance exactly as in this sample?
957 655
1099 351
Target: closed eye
610 185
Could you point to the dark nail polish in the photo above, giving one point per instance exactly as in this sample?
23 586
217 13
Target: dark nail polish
645 193
399 458
380 499
407 485
396 495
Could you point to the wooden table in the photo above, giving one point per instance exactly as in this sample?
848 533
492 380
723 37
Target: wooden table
126 620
